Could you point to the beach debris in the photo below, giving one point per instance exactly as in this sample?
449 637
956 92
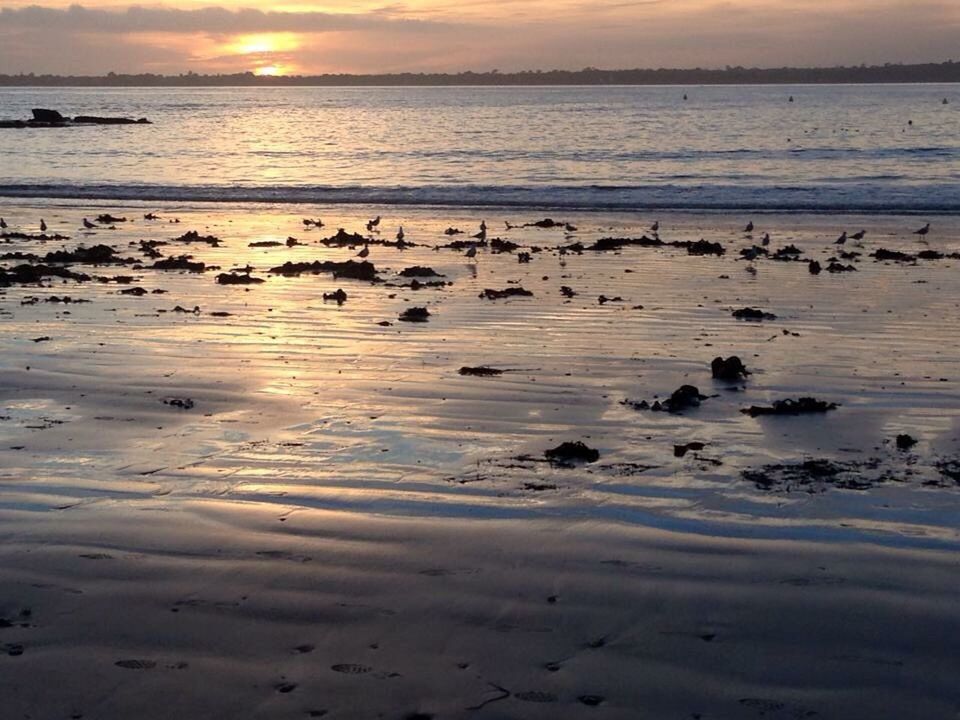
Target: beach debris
567 453
816 476
349 269
180 262
192 236
480 371
603 299
788 253
238 278
34 274
905 441
419 271
705 247
339 296
789 406
181 403
814 267
344 239
683 398
40 237
95 255
108 219
502 246
415 314
681 450
731 368
750 313
490 294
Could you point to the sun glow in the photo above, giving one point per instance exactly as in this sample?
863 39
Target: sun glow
263 44
269 70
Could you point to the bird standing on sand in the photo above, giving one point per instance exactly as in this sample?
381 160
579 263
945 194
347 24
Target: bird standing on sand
43 225
372 224
88 225
3 224
749 228
656 226
842 239
400 234
924 231
858 236
766 239
364 251
472 251
482 235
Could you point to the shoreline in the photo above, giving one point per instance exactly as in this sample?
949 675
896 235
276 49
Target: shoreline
400 198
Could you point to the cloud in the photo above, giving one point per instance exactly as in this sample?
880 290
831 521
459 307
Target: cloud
214 20
451 35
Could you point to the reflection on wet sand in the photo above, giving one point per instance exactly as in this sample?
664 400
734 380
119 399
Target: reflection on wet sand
233 471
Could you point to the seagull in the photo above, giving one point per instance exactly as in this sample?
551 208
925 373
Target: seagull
925 230
482 235
88 225
472 251
364 252
400 234
372 224
483 226
656 226
3 224
859 235
749 228
766 239
841 240
43 225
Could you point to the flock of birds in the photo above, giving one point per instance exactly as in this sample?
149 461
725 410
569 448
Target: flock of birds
481 236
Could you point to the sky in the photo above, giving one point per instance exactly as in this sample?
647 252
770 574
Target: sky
100 36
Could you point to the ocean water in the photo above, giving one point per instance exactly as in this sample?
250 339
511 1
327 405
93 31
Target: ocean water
888 149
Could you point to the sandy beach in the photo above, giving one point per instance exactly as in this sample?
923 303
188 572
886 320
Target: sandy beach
227 498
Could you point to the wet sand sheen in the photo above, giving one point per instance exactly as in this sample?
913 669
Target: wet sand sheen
338 484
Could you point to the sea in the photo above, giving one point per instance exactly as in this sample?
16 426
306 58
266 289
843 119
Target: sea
878 149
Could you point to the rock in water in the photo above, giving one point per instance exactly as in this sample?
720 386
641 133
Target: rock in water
47 116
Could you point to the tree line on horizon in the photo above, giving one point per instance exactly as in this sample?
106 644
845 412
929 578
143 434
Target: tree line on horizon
946 72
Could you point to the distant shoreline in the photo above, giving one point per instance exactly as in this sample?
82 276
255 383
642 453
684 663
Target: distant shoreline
931 73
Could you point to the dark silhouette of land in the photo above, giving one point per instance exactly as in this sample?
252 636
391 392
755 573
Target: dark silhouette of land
947 72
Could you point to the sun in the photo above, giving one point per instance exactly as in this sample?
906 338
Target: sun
269 70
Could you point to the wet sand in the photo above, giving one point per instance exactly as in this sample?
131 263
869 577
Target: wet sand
340 524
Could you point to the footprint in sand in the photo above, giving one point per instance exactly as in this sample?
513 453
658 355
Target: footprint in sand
536 696
774 708
284 555
591 700
351 669
285 687
12 649
136 664
304 649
